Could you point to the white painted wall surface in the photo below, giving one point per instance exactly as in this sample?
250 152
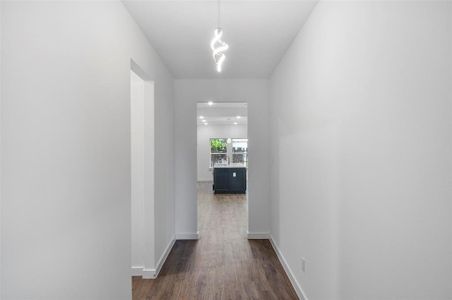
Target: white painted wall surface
361 167
137 168
1 152
205 133
187 94
66 149
142 173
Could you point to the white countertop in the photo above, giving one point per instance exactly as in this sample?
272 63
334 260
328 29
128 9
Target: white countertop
230 166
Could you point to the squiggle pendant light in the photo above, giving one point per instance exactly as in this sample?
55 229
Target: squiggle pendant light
217 45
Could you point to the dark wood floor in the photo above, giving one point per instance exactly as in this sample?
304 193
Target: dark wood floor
222 264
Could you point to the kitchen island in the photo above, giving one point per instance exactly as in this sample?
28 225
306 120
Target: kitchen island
229 179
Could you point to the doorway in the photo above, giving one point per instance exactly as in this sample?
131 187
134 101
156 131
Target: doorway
142 173
222 170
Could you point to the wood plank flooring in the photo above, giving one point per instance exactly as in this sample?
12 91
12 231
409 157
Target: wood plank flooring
223 263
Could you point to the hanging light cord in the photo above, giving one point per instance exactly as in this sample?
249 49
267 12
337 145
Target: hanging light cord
219 14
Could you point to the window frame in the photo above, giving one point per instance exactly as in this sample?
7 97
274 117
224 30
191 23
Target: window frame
229 152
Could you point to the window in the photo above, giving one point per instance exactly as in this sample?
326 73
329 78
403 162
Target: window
240 151
218 152
226 151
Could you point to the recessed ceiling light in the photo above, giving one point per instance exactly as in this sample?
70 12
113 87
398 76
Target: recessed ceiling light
210 103
205 123
238 117
235 123
201 117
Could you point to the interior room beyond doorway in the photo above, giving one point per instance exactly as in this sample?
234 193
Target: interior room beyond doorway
222 154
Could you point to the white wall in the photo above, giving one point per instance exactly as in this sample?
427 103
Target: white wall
205 133
66 149
142 174
361 167
187 94
137 169
1 153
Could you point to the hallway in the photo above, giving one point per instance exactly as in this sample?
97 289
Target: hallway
335 115
222 264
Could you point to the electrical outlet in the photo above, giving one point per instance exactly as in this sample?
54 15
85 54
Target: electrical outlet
303 264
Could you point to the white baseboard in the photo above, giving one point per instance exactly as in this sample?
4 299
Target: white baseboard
258 235
187 236
137 270
149 273
296 285
143 272
164 257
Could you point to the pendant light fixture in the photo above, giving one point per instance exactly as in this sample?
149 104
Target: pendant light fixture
217 45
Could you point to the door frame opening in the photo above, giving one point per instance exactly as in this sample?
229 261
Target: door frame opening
204 155
142 150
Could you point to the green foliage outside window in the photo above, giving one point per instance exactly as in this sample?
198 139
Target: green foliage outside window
218 145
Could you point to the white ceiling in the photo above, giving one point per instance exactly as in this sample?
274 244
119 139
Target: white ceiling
222 114
258 33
